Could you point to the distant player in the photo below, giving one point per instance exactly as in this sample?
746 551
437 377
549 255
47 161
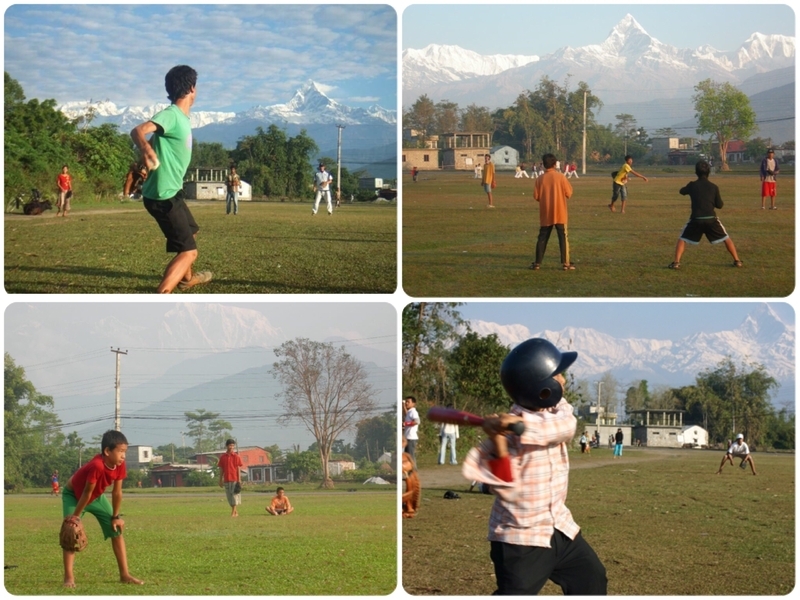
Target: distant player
769 169
322 187
488 180
703 220
740 450
230 476
54 487
620 186
280 504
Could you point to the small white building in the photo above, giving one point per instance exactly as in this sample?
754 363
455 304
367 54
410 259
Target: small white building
337 467
505 158
140 457
693 436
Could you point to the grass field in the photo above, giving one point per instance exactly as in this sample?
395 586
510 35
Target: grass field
269 248
454 246
661 522
335 543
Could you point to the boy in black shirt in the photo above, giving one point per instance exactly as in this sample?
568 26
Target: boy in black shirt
705 198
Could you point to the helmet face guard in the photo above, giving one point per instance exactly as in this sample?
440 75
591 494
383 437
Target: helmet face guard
528 373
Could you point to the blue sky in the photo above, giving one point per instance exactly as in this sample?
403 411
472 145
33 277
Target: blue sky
658 320
245 55
541 29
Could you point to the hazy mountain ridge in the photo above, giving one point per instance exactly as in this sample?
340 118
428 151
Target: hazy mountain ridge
659 70
762 337
309 105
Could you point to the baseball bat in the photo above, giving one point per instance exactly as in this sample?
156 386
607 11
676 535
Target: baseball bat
440 414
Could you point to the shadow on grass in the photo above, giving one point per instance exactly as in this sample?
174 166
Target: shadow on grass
239 285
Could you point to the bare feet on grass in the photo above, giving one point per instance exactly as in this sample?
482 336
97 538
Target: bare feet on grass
69 583
131 579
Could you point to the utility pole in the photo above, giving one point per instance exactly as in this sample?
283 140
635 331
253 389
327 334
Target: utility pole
339 164
599 388
116 389
583 171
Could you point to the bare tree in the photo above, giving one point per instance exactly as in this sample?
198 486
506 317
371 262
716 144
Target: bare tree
324 388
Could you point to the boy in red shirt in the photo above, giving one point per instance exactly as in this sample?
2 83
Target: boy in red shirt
64 181
229 464
84 493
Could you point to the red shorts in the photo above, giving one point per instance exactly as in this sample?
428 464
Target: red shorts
767 189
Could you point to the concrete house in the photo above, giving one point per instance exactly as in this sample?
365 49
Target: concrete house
272 473
140 457
658 427
209 184
693 436
505 158
463 150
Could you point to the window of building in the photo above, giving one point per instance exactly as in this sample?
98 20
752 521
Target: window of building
404 158
426 158
145 454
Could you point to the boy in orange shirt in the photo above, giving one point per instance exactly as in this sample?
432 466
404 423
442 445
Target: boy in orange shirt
280 504
552 190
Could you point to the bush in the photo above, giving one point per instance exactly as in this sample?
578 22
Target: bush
200 479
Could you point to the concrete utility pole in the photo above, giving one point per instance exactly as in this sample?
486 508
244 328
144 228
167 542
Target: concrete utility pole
116 389
583 170
339 164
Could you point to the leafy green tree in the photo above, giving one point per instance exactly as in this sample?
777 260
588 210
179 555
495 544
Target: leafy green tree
756 148
207 429
324 388
209 155
476 118
447 116
275 453
303 464
29 425
200 479
725 112
428 330
637 396
422 117
475 370
376 435
665 132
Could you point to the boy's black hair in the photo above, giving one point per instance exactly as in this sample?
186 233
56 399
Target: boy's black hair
230 441
702 169
279 489
111 439
549 161
179 81
414 400
627 156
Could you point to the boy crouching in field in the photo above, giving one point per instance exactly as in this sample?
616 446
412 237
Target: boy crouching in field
533 536
84 493
705 198
280 504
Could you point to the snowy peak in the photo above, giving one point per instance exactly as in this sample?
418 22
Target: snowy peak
627 35
442 63
309 106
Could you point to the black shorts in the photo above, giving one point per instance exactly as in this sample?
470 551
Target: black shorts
695 229
176 222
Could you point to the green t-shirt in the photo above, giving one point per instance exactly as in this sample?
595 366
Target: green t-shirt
172 144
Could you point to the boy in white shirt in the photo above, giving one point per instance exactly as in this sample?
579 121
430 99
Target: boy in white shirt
738 449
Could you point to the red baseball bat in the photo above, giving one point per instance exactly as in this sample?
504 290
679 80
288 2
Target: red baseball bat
440 414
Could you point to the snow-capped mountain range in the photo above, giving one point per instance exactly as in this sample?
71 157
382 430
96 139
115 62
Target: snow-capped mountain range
658 69
761 338
309 106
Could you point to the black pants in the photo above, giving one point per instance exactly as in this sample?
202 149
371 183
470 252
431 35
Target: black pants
571 564
544 237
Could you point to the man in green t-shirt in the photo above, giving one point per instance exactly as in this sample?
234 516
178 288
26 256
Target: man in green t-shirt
167 155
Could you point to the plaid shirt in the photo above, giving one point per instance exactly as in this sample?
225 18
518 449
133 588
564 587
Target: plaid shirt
531 506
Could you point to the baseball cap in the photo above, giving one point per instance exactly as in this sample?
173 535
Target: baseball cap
740 436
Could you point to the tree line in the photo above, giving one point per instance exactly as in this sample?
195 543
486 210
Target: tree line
35 444
444 362
550 118
39 139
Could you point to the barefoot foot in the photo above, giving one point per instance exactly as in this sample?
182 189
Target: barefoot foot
130 579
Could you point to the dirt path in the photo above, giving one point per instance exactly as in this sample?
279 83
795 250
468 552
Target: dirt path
449 476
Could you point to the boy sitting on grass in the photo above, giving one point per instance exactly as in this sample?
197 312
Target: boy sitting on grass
705 198
280 504
84 493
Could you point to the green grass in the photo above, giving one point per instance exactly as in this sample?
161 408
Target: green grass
661 522
269 248
333 544
453 246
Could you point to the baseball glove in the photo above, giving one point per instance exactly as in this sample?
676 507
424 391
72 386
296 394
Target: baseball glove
72 536
237 489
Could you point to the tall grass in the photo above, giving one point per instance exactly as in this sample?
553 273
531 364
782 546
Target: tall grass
333 544
269 248
661 522
454 246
